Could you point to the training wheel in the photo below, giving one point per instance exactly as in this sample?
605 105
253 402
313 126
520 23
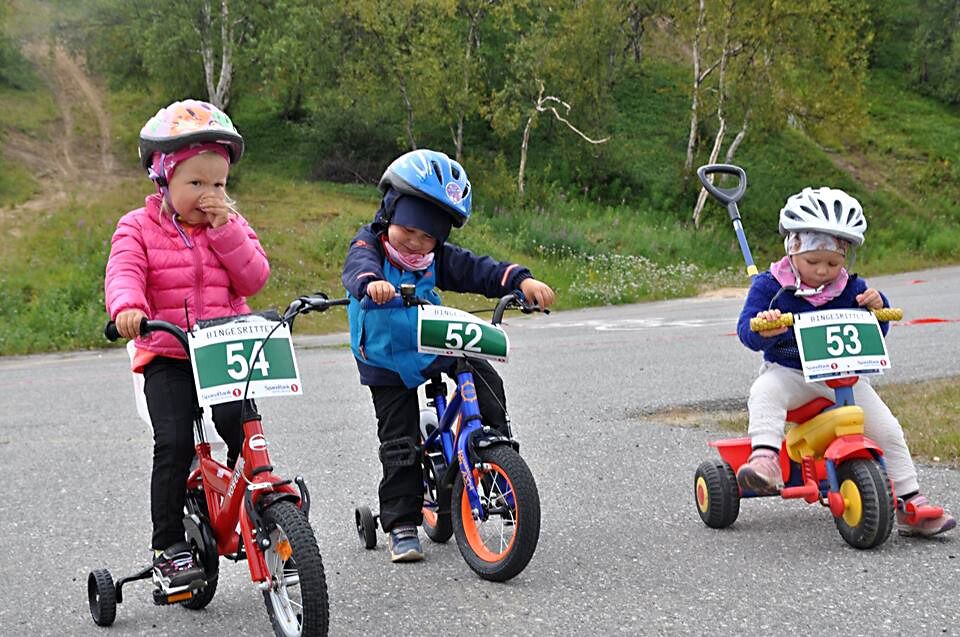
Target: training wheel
103 597
366 527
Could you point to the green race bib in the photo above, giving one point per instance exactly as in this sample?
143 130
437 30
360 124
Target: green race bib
839 343
451 332
225 355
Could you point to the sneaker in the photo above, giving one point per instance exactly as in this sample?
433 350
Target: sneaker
761 474
405 544
918 518
175 568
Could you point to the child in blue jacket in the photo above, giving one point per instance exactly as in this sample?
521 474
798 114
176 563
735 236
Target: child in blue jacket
424 194
820 227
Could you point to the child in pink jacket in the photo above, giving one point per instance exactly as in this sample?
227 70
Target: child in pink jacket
187 252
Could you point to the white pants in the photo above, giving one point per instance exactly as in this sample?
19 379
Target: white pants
778 389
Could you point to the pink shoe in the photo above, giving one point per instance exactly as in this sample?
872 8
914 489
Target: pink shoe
918 518
761 474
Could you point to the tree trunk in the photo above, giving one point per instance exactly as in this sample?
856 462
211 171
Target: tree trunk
523 151
218 92
408 124
721 116
695 97
735 144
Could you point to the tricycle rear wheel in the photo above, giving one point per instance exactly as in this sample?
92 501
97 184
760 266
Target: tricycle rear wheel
717 494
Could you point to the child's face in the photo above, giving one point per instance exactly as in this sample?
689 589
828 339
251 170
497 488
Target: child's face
818 267
198 181
409 240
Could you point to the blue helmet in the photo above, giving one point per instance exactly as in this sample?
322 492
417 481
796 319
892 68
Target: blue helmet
433 176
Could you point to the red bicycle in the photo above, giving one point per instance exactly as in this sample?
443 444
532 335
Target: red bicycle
245 513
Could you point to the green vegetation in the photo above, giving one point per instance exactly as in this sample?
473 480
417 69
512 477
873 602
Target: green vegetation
607 223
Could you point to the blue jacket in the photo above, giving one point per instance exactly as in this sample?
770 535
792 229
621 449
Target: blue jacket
384 340
783 349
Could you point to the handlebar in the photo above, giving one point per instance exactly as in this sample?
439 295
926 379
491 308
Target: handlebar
512 300
884 314
317 302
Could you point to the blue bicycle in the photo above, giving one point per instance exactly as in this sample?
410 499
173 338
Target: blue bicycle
476 485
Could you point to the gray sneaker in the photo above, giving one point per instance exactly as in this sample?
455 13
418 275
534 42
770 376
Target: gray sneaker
405 544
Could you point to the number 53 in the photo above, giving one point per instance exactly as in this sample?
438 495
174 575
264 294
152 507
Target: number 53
845 338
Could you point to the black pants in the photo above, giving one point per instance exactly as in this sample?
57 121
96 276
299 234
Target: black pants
398 415
171 400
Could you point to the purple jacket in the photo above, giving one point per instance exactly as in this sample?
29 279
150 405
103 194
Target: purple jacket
152 268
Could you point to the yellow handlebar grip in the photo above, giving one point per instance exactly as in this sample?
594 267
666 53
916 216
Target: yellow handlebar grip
888 314
759 325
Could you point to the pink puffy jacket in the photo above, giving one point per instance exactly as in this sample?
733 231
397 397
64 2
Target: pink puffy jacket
151 268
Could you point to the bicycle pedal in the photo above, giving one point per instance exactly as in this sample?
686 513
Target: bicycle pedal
163 597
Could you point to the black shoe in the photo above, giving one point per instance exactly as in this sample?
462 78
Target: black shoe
175 568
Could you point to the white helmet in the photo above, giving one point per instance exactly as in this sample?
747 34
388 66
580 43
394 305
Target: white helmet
826 210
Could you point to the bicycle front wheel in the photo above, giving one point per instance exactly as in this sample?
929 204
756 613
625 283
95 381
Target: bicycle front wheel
297 598
498 544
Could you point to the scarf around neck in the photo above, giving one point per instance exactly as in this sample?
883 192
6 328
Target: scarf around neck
785 274
409 262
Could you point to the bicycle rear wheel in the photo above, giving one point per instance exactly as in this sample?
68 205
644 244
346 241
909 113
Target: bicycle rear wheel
297 598
500 545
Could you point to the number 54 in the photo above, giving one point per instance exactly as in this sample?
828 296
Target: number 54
238 367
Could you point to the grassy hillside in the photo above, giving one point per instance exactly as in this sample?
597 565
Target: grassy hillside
900 164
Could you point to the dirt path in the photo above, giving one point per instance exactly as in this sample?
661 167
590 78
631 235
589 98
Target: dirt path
77 156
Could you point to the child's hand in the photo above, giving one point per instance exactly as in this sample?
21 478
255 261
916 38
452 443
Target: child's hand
380 291
128 323
870 299
216 209
538 292
771 315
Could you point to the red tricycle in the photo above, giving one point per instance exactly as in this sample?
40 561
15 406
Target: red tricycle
825 458
242 513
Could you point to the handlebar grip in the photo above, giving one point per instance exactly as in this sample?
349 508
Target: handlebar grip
113 334
369 304
888 314
884 314
110 331
760 325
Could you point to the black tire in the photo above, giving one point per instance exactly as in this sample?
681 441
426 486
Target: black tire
436 524
508 488
201 543
366 527
203 596
291 535
868 517
102 595
716 494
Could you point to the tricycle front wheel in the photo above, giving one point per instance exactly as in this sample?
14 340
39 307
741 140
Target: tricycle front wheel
868 513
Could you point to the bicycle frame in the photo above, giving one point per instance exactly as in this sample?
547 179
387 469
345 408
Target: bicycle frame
227 505
462 408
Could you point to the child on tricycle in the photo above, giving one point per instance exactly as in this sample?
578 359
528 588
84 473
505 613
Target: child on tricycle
821 227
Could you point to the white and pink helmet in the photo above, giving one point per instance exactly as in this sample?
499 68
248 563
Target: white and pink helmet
186 123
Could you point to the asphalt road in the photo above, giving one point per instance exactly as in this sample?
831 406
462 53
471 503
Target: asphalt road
622 549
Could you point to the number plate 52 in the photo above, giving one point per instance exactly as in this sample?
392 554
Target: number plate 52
451 332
